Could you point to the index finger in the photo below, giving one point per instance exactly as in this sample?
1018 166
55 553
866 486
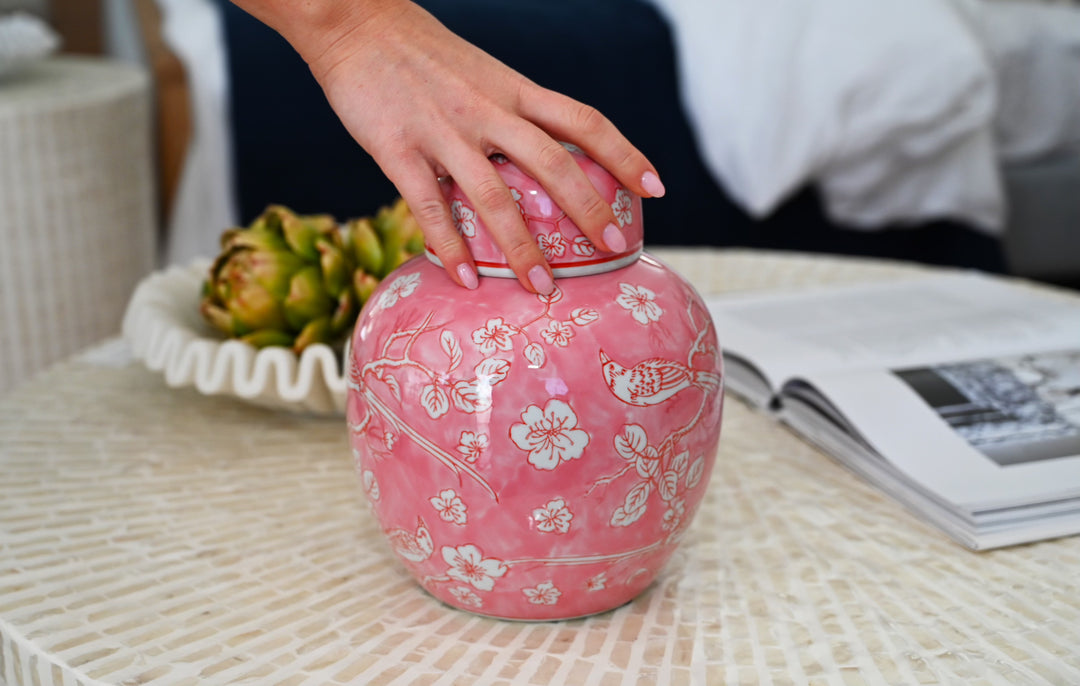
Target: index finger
478 179
569 120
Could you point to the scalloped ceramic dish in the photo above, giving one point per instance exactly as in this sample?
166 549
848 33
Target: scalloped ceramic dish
165 330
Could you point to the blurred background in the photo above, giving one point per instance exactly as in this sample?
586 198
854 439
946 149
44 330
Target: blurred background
633 60
940 131
231 94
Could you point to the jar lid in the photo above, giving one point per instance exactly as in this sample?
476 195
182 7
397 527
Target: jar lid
567 250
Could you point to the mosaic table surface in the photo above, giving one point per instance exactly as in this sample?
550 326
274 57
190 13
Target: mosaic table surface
156 536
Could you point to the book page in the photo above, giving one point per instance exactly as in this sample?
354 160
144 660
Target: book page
985 530
922 320
986 434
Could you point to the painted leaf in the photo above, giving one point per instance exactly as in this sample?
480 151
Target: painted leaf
467 396
631 442
371 486
392 384
623 518
434 401
551 298
696 470
452 348
634 505
492 370
637 496
463 394
678 465
668 486
582 247
534 353
583 316
647 463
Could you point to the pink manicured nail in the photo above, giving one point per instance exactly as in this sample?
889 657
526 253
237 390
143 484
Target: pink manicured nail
614 239
467 276
541 280
651 183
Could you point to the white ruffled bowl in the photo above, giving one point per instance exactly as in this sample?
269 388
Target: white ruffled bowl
165 330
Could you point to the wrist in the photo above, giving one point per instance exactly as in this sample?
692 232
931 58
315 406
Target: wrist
317 29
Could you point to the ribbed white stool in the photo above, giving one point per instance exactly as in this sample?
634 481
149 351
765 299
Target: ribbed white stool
77 217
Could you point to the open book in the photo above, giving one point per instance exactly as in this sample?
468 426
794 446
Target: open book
956 394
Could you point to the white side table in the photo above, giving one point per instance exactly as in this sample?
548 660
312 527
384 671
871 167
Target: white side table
77 217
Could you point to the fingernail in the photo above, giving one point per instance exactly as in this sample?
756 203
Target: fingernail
467 276
614 239
541 280
651 183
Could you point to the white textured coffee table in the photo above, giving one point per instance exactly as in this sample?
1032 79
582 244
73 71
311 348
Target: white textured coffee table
156 536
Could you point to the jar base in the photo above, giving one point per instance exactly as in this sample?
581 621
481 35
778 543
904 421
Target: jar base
538 620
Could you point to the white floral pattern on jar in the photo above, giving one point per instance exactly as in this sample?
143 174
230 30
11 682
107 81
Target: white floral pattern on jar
450 506
472 445
495 336
466 597
623 207
464 218
401 287
641 302
553 518
468 565
553 245
550 435
596 583
545 593
558 333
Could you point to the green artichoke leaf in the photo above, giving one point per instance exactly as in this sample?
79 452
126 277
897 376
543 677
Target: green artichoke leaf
364 285
316 331
415 243
218 267
323 223
400 233
218 317
393 245
336 269
345 313
268 337
365 245
272 269
307 299
262 234
253 307
301 237
227 237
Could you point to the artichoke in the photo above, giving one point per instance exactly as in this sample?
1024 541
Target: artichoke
293 280
381 243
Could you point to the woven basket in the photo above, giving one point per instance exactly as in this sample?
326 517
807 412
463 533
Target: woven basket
77 219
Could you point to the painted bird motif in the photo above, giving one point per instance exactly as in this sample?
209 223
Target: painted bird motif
652 381
415 547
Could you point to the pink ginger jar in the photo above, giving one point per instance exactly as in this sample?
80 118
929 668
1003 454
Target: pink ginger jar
536 457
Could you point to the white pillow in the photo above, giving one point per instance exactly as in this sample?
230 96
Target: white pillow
848 93
1035 49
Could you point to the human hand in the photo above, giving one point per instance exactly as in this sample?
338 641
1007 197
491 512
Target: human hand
427 104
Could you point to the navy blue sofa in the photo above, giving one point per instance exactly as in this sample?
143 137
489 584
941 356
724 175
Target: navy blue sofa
616 55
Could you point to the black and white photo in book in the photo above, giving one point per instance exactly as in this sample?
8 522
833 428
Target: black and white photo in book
1013 410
